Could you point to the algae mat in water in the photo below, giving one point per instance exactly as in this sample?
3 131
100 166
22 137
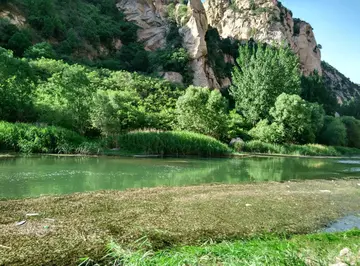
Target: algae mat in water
78 225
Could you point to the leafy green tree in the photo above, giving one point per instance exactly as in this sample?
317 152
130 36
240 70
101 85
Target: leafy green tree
116 112
237 126
261 75
157 96
352 131
351 108
333 132
300 119
203 111
16 87
293 121
43 49
313 89
19 42
64 99
266 132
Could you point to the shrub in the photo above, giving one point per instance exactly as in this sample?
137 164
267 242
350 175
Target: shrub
271 133
352 131
177 143
257 146
64 99
333 133
115 112
294 120
16 87
203 111
29 138
237 126
39 50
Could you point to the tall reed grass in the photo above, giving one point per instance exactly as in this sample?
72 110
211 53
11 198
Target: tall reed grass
174 143
256 146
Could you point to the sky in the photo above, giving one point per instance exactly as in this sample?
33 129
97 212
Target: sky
336 26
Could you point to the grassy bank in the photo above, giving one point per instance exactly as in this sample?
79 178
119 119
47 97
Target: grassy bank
292 149
79 225
315 249
29 138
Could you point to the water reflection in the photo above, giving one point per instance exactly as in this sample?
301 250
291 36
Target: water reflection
34 176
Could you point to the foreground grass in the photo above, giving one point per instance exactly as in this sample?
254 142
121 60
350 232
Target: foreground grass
79 225
316 249
292 149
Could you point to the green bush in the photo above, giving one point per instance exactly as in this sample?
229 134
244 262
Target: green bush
352 131
257 146
203 111
333 133
294 121
39 50
116 112
17 84
29 138
173 143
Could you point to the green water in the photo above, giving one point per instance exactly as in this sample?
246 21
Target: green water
35 176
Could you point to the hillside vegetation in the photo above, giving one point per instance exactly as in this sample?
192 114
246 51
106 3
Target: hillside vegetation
78 66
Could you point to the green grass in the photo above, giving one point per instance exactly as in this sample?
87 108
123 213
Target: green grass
314 249
292 149
174 143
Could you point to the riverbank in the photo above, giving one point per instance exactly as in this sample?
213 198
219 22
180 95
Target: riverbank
314 249
79 225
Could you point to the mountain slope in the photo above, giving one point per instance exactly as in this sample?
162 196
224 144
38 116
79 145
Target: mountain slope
183 41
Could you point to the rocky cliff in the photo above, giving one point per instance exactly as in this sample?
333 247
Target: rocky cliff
153 20
265 21
342 86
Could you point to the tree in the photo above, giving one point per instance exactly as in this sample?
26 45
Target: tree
115 112
19 42
351 108
333 132
16 87
64 99
352 131
203 111
313 89
262 74
43 49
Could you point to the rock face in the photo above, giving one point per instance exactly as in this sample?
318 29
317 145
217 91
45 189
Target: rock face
12 13
265 21
194 41
342 86
149 16
174 77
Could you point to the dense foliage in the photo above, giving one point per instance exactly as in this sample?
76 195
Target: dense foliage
262 74
313 89
203 111
70 73
38 139
94 33
172 143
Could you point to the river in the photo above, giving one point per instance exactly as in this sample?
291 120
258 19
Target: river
34 176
